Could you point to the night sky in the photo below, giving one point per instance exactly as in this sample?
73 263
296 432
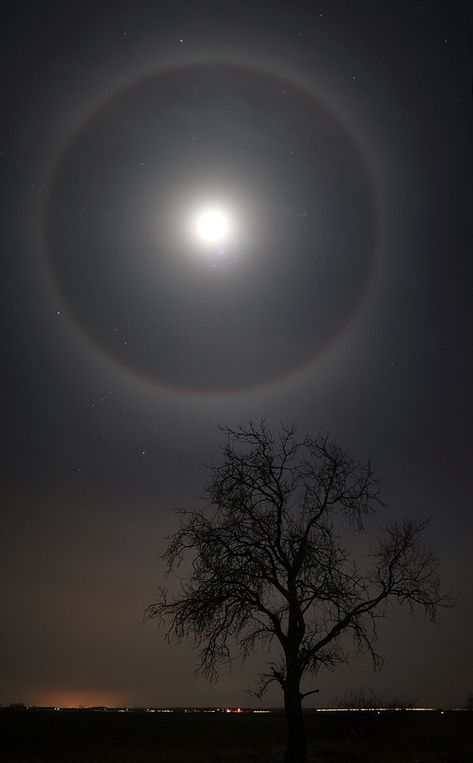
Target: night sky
332 143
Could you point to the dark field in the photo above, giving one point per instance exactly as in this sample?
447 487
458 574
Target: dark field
355 737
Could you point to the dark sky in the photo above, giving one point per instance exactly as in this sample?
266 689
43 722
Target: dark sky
337 138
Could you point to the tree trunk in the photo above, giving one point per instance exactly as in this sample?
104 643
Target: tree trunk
296 742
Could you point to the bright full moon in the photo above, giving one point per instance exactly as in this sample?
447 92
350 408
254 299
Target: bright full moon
212 226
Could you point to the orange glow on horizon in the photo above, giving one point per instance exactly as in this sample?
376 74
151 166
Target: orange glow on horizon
61 698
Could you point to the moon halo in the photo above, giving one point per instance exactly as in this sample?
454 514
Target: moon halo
205 251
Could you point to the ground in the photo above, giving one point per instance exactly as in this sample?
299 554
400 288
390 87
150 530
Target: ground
355 737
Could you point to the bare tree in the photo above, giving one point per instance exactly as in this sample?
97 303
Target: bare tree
469 702
268 567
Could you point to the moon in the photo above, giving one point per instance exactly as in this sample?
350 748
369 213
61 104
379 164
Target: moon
212 226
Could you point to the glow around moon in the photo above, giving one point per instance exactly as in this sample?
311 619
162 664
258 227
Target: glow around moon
211 260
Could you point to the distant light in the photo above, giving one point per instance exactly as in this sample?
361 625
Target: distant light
377 710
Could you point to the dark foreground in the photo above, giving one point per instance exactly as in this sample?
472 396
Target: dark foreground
88 737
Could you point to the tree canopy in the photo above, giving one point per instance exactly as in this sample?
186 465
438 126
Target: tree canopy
269 565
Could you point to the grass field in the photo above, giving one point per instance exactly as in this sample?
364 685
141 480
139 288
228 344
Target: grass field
355 737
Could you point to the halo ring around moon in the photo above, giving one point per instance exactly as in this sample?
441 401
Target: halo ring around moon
251 365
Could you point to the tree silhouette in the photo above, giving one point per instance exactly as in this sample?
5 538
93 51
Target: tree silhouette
268 567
